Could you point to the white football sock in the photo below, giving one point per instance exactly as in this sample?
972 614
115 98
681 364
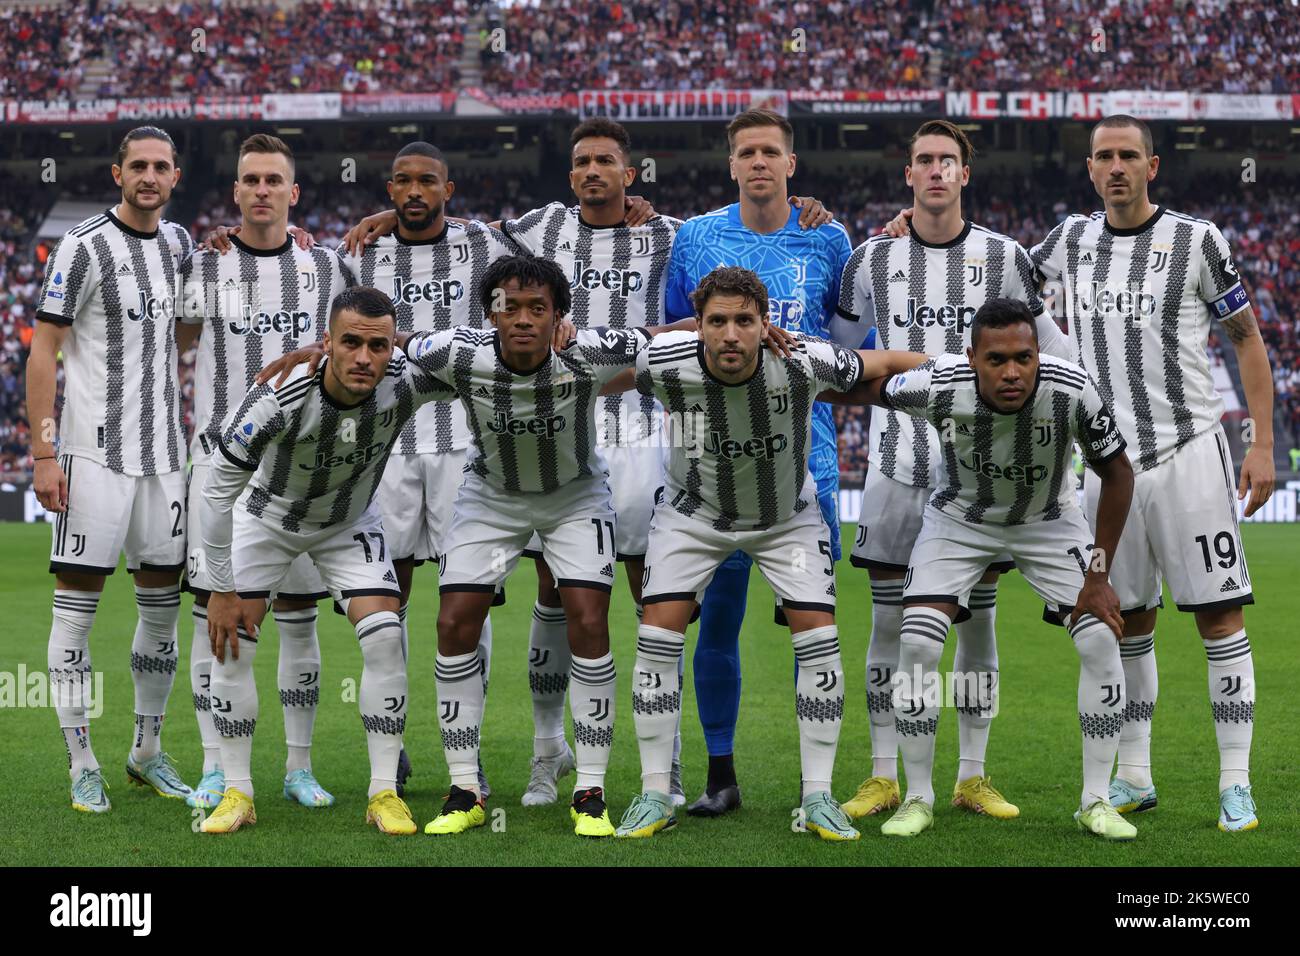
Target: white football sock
382 695
234 712
1101 704
548 678
154 658
71 683
917 700
1141 684
201 689
591 699
882 662
656 702
298 675
406 643
1232 700
459 679
975 667
819 704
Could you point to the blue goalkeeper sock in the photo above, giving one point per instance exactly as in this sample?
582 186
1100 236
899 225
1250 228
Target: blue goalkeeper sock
717 654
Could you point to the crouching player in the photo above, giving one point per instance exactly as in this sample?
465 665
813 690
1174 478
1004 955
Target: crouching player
740 481
313 450
1007 418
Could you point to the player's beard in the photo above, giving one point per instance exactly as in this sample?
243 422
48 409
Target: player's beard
419 225
132 199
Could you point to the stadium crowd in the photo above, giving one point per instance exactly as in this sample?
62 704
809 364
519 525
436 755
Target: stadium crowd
1263 226
1233 46
309 47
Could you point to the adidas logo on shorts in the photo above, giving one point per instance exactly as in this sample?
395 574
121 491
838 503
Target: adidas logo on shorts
1229 585
607 571
388 576
830 589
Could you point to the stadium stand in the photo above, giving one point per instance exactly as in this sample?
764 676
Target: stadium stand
102 48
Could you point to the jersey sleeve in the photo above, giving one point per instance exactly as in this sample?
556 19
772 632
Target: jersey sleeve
193 306
525 233
1220 285
678 286
70 280
909 392
833 366
1095 428
608 351
250 429
431 353
840 251
1048 256
644 380
855 287
351 265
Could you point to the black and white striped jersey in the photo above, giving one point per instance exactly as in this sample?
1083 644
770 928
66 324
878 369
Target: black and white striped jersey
534 430
254 305
116 288
1139 303
434 285
316 462
922 297
617 277
739 458
1007 468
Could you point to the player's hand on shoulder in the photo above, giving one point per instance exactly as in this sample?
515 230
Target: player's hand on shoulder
50 485
218 239
812 213
1257 474
899 226
1098 598
565 334
779 340
639 211
312 355
302 237
368 230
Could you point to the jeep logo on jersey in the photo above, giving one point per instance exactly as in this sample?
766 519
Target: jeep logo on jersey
1127 303
785 313
729 448
152 307
1021 474
260 323
503 424
362 456
437 291
924 316
619 281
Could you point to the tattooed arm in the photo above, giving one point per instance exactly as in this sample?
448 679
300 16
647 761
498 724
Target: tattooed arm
1257 380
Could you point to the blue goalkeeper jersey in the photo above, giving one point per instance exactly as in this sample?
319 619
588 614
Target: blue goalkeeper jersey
801 269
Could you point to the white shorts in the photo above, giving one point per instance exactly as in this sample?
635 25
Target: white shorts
415 499
1182 526
951 556
636 474
110 513
794 556
302 583
490 529
353 559
889 523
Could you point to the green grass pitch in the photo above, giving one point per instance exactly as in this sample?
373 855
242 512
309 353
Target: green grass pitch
1034 752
